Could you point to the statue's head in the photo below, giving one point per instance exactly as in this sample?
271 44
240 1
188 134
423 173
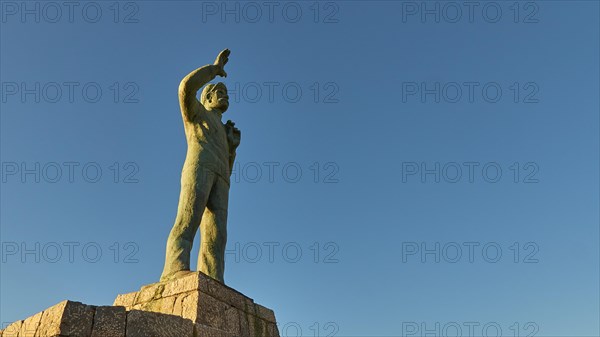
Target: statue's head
214 96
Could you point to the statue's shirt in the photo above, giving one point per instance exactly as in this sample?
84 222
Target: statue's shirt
207 146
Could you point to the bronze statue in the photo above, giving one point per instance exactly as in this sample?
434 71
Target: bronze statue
205 176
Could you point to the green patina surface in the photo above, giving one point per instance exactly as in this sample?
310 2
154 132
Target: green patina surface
205 178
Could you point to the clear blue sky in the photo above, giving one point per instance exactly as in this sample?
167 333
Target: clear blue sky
362 131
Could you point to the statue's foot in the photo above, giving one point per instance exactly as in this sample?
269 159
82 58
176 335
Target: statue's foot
175 275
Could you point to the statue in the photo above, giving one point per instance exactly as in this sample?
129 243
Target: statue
205 176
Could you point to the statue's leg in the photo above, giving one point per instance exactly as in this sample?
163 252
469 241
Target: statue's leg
195 191
213 232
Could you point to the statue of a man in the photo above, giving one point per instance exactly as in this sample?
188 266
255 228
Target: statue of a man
205 175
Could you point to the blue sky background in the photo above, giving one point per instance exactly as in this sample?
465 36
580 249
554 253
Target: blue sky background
361 212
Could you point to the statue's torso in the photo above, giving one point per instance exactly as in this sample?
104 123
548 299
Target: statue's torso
207 146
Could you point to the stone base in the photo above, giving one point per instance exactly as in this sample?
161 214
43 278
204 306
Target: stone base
209 304
192 306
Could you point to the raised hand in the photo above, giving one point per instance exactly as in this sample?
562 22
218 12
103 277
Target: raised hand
221 61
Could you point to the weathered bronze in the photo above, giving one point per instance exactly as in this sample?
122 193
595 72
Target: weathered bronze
205 176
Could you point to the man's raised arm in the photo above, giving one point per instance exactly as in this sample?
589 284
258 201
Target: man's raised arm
189 86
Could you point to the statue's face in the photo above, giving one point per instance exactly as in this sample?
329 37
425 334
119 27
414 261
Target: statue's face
218 99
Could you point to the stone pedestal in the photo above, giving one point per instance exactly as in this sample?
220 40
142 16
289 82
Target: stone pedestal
212 306
191 306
